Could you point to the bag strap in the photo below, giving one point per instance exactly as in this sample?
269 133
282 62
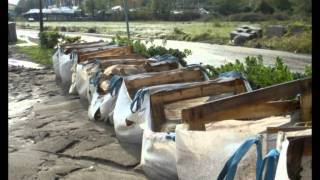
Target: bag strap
229 170
115 84
271 161
138 99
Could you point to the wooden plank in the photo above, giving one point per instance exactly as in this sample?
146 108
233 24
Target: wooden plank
119 51
157 111
174 76
161 66
130 56
306 106
68 49
71 45
285 129
231 107
294 155
107 63
199 89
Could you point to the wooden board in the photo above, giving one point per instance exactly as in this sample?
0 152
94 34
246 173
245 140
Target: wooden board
161 66
71 45
136 82
107 63
306 106
200 89
248 103
119 51
130 56
79 47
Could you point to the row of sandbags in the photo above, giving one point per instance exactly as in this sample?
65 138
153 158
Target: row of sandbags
148 101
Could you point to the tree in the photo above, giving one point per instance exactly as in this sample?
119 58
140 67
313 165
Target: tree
282 5
161 8
265 8
302 7
90 6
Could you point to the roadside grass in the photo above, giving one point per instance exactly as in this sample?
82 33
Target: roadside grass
37 54
19 41
213 31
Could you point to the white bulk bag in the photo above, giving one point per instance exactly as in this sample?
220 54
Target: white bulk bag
282 172
158 155
104 104
84 72
127 133
55 61
65 65
74 69
202 154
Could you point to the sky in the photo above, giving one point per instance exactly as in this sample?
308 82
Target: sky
13 1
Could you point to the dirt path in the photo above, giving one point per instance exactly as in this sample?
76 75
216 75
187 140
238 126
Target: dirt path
50 136
205 53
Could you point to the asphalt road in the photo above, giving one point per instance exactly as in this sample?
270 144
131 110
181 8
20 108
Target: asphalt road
205 53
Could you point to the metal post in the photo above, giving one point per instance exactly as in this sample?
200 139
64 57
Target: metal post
40 16
125 2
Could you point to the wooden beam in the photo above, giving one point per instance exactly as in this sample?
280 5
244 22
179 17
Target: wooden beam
69 48
306 106
286 129
233 107
107 63
195 90
138 81
119 51
130 56
161 66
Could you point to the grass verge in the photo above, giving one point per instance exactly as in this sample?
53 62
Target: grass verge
18 42
37 54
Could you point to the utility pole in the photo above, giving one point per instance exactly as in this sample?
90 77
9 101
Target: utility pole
40 16
125 2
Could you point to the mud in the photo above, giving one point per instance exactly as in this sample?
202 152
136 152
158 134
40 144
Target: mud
50 136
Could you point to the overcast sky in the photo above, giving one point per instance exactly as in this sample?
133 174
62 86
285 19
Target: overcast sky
13 1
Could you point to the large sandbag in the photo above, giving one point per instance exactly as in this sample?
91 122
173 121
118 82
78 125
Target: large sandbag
202 154
158 155
84 72
56 63
65 65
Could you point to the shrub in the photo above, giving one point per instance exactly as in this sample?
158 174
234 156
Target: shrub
264 7
281 16
49 39
251 16
256 72
68 39
139 47
92 30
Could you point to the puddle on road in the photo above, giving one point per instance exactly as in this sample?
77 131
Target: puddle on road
26 64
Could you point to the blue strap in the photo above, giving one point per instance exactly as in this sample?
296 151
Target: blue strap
171 136
95 78
138 99
165 57
235 74
271 159
191 66
115 84
229 170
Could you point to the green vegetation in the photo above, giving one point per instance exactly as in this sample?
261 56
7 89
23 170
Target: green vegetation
49 39
37 54
259 75
153 50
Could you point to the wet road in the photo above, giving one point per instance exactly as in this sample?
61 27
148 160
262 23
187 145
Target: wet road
205 53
